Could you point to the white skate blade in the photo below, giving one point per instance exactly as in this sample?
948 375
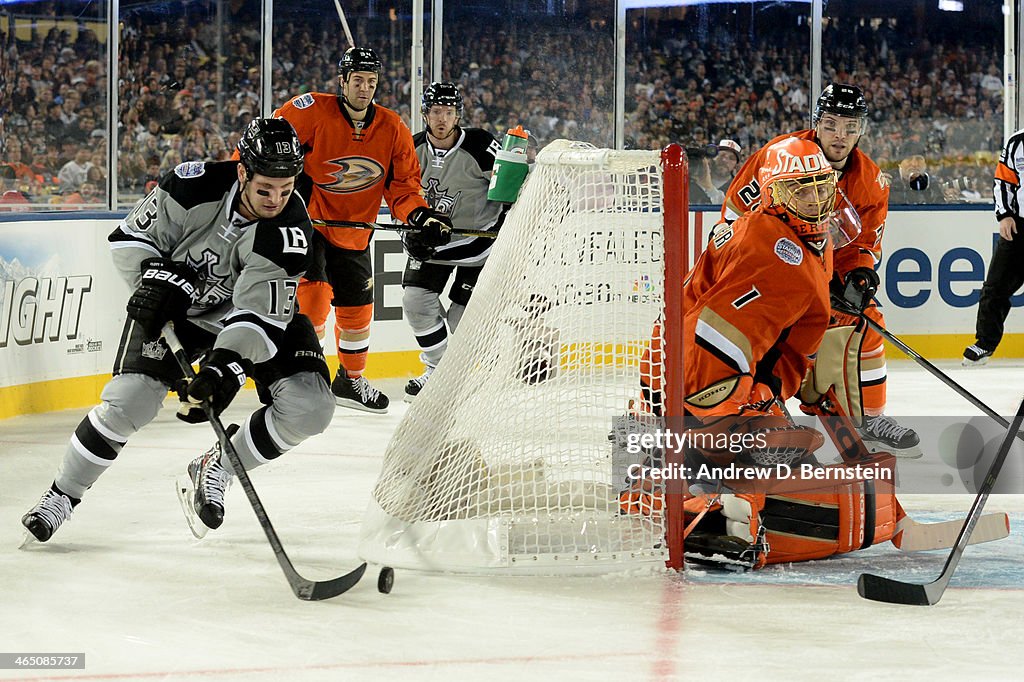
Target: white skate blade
186 493
28 540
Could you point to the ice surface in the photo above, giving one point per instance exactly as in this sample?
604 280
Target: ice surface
126 583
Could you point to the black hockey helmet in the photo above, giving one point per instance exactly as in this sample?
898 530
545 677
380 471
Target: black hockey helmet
270 147
445 94
842 100
358 59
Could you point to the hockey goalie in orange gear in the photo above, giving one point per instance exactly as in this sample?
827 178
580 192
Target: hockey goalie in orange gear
757 305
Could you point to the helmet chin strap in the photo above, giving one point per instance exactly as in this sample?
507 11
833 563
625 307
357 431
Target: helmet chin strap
451 133
244 205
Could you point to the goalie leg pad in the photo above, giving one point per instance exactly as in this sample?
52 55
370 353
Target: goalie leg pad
755 529
800 526
837 365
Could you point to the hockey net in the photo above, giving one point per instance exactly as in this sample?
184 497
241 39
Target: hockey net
503 463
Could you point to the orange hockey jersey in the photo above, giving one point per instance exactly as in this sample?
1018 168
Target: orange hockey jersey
353 165
757 304
861 181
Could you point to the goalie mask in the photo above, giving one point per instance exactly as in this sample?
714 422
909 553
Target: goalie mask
798 185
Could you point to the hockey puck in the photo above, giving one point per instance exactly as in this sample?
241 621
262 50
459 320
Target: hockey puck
386 580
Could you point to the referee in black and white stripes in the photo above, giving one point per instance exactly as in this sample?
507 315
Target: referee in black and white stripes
1006 271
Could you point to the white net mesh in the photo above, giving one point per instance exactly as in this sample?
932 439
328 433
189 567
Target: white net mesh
503 463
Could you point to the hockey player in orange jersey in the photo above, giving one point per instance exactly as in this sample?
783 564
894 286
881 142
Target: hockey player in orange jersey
757 306
357 153
839 121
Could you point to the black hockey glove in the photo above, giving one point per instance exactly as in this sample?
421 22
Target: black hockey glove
221 374
434 229
166 292
416 248
859 287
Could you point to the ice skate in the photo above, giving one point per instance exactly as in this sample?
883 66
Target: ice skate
202 491
43 520
976 356
883 434
358 394
413 388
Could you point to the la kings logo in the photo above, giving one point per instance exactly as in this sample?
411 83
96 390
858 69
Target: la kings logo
154 350
213 287
438 197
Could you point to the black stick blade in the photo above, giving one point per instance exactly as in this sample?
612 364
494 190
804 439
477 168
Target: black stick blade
878 588
311 590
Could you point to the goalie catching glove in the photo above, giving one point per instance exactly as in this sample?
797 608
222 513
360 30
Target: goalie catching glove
221 374
433 229
166 292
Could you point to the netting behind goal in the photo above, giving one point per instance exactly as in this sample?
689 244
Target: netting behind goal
503 463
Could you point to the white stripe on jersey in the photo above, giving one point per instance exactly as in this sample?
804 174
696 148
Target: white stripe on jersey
727 347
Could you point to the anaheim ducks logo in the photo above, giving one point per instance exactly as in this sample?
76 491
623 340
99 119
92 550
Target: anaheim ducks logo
354 174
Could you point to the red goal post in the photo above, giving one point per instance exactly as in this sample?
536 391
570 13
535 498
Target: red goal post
504 463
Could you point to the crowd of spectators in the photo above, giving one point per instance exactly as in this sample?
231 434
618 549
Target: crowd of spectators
187 98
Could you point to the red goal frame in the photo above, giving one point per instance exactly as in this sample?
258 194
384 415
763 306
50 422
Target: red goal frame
676 219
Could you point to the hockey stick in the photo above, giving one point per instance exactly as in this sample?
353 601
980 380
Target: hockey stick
307 590
344 23
354 224
932 369
914 536
879 588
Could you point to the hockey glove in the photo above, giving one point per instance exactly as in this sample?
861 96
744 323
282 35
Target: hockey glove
433 228
220 376
416 247
859 287
168 289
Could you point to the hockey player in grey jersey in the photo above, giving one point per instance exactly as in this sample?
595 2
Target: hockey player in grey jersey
217 248
455 167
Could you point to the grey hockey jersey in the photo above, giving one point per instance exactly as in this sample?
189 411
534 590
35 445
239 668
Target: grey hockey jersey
455 183
248 270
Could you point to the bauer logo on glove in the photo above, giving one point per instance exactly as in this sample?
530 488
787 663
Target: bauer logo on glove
167 289
221 374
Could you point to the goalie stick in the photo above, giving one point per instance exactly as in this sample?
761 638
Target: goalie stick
914 536
307 590
399 228
879 588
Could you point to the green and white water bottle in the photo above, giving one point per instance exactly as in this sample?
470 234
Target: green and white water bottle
510 166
